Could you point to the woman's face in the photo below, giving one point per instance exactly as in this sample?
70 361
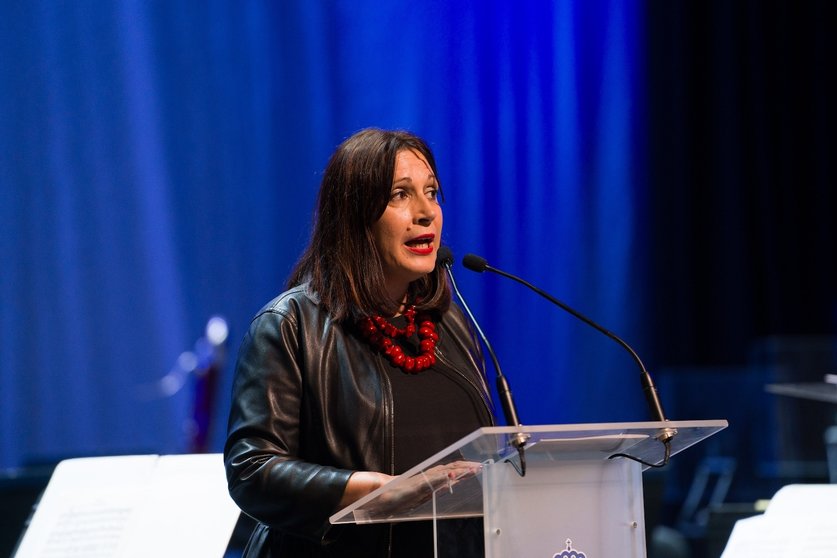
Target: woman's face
409 232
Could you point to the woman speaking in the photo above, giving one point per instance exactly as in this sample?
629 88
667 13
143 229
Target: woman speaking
361 369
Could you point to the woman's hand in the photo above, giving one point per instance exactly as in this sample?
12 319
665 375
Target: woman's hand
412 493
360 484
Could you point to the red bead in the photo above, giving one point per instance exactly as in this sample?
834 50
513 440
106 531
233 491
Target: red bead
380 333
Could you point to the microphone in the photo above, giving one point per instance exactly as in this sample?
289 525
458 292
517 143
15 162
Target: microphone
445 257
478 264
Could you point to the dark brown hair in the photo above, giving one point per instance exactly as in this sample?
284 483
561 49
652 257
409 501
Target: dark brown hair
341 262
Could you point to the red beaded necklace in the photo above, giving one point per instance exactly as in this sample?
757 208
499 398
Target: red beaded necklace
381 334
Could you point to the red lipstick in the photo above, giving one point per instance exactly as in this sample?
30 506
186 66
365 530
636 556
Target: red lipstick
421 245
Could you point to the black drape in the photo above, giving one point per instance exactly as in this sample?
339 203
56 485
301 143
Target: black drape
742 175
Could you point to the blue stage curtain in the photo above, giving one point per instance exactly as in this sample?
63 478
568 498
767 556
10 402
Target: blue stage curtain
159 162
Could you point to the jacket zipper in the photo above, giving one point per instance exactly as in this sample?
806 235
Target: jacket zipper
389 413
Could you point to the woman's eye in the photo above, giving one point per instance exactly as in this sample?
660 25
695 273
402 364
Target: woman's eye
433 193
398 195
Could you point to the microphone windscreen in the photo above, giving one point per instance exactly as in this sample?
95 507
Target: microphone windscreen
474 263
444 256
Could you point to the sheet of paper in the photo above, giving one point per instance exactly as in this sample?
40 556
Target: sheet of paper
192 513
132 506
800 522
792 501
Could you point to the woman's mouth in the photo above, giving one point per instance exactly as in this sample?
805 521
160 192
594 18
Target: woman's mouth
421 245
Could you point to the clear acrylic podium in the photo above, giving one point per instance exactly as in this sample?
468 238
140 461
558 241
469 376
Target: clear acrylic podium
573 499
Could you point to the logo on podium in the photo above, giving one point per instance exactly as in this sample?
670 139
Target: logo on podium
570 552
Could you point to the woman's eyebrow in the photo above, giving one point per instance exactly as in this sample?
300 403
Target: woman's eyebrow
430 178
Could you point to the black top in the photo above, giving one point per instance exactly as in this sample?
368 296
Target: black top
434 396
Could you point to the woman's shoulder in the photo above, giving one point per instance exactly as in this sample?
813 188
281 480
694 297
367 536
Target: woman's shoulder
292 300
296 304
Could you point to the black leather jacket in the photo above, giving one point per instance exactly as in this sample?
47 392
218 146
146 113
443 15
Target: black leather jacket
311 404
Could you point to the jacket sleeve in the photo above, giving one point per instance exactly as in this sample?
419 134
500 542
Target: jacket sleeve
266 476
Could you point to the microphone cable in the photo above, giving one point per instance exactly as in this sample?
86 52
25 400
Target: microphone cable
519 439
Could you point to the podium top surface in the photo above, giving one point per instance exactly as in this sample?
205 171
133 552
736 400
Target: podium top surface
449 484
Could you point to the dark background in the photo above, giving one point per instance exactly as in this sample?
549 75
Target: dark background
742 175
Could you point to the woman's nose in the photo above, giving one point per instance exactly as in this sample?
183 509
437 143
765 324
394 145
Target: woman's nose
426 211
